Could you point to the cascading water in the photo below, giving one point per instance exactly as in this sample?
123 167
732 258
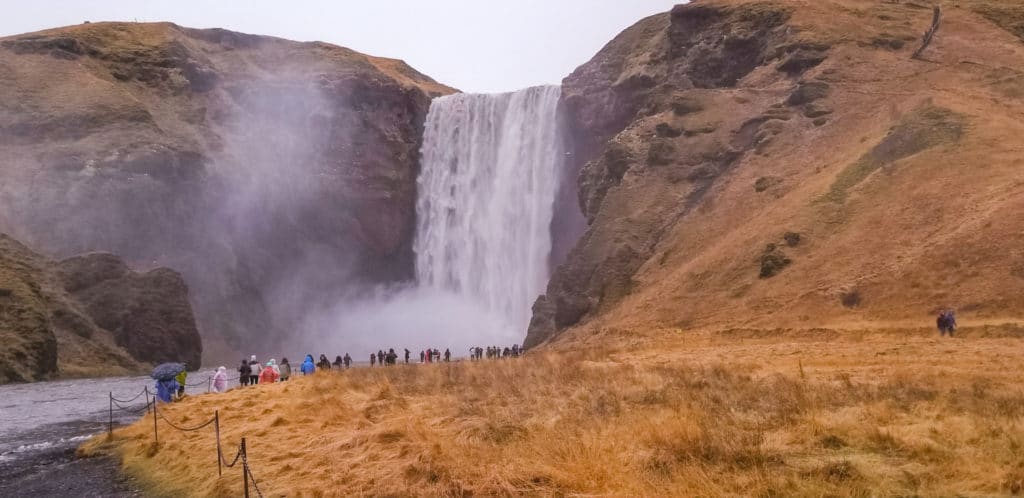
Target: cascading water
489 176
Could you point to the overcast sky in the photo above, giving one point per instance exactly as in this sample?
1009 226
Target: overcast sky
473 45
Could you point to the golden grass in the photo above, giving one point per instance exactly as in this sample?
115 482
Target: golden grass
707 414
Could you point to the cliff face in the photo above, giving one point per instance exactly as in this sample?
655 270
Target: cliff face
274 175
89 315
788 164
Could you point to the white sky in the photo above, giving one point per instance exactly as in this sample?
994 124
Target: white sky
473 45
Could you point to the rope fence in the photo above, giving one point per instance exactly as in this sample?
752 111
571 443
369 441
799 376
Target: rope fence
151 407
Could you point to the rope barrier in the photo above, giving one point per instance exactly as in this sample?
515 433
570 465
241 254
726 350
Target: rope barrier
187 429
131 409
143 391
207 381
238 455
248 470
151 403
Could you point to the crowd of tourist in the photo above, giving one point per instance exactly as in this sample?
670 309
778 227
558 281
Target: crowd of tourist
252 372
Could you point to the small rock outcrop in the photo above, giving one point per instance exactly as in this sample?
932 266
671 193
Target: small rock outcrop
89 315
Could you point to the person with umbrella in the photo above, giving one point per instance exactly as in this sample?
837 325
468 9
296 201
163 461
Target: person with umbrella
166 384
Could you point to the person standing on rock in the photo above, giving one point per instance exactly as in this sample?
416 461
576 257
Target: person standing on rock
285 369
254 370
243 373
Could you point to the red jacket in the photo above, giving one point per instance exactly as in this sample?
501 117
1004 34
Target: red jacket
269 376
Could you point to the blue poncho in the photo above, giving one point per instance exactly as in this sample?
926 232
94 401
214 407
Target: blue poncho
307 365
165 389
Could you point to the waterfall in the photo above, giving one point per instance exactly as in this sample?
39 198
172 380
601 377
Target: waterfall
489 175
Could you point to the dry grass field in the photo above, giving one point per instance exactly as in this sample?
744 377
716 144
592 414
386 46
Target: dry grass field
736 413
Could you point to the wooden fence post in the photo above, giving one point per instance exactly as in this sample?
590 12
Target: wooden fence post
245 471
156 438
216 429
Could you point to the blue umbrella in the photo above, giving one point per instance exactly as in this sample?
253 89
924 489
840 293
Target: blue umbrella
165 371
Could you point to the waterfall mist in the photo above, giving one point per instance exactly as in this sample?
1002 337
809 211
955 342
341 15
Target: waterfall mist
490 169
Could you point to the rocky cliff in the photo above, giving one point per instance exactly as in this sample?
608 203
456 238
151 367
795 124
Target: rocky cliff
275 175
89 315
771 164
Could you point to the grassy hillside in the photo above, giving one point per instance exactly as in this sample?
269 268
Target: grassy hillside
824 179
857 413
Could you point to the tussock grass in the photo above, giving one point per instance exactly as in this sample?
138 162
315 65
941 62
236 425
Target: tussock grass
640 423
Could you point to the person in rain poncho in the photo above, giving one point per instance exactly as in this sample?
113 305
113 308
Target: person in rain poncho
220 380
181 378
165 389
269 375
285 369
307 365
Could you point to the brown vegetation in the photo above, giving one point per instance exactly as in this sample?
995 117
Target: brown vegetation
749 413
901 175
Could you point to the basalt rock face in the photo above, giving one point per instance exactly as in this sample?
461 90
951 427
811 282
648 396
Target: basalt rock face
273 174
709 136
89 315
148 313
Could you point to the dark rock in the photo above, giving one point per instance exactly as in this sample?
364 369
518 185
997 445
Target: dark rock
661 153
801 60
149 314
666 130
683 106
773 260
808 91
817 110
